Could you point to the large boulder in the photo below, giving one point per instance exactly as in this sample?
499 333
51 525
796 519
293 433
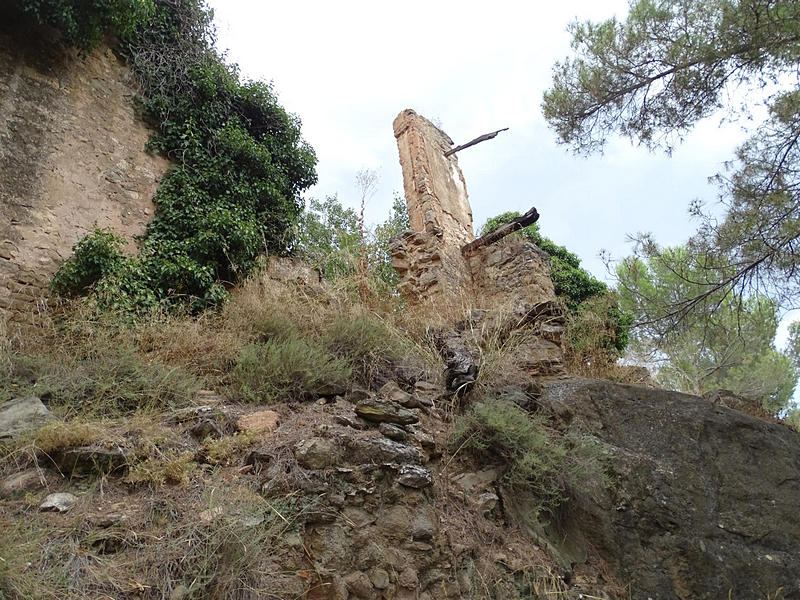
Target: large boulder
703 501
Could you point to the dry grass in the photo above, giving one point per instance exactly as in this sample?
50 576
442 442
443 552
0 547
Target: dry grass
59 436
172 467
224 450
102 364
225 546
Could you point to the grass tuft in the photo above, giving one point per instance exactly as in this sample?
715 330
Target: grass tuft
172 467
539 461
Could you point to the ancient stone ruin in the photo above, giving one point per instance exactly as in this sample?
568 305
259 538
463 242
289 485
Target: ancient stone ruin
72 157
439 257
441 263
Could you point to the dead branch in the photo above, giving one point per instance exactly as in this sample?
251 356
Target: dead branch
477 140
529 218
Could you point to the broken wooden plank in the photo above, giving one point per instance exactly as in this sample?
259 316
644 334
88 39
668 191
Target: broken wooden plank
529 218
477 140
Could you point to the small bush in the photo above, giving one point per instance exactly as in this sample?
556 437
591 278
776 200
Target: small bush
289 368
538 460
223 555
172 467
596 335
367 344
59 436
95 256
222 451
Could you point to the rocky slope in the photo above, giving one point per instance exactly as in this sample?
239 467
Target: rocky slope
373 503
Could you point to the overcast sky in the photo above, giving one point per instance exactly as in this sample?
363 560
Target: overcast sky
348 68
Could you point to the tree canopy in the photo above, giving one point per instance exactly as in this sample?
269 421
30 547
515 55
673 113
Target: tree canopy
329 238
670 64
727 345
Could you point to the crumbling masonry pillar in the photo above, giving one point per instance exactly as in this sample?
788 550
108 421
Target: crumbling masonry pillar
428 258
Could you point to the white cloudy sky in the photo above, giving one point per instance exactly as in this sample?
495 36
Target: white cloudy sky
347 68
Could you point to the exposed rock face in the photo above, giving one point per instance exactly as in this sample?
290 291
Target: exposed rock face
71 156
704 498
20 415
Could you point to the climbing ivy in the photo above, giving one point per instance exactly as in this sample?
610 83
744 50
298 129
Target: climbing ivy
239 163
84 23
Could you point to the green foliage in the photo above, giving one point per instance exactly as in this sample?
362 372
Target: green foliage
240 165
538 460
328 238
596 320
724 343
288 368
380 259
667 66
84 23
793 418
793 344
94 257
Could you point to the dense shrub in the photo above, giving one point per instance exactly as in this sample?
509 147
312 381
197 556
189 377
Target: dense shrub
328 238
288 368
95 256
539 461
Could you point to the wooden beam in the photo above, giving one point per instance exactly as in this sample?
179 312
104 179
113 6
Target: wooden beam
477 140
529 218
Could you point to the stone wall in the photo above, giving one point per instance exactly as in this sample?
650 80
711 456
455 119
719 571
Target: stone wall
428 257
71 157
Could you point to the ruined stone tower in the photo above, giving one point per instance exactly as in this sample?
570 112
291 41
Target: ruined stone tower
429 257
511 279
434 185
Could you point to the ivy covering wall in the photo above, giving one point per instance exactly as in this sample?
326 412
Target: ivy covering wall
239 167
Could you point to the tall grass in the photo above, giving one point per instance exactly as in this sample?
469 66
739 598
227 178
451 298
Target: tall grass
104 380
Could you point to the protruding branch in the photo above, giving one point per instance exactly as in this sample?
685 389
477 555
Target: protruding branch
498 234
477 140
